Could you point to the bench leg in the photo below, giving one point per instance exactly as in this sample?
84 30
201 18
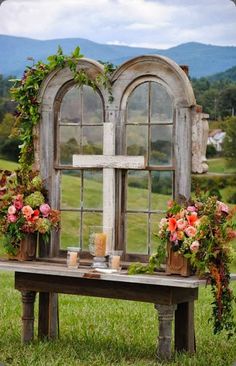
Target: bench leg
165 317
28 299
184 327
48 326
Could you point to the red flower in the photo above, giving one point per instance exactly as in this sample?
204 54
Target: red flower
172 224
192 219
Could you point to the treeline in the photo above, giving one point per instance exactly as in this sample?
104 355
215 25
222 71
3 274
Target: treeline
216 95
9 146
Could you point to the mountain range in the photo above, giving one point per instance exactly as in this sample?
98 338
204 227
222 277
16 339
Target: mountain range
202 59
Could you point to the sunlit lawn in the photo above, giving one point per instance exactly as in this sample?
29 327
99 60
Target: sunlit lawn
105 332
220 165
102 332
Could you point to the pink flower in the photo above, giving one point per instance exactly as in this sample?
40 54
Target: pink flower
11 210
194 247
223 207
45 209
11 218
191 231
170 203
173 236
181 224
27 211
18 203
191 208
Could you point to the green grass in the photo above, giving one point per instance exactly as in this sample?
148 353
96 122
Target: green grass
105 332
220 165
9 165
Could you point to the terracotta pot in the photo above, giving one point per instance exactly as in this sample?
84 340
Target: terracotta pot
177 263
27 250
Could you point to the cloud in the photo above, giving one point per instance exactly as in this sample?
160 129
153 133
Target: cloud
159 23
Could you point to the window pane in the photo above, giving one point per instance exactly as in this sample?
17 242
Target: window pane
155 241
70 223
90 219
137 140
92 140
137 107
70 111
161 145
92 106
162 191
137 190
161 104
69 138
136 232
93 189
70 189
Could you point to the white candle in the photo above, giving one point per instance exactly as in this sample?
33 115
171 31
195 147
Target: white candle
72 257
115 262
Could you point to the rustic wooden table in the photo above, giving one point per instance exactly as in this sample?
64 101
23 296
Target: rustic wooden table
173 297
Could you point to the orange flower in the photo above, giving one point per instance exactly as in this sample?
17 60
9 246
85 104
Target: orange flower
27 211
172 224
192 218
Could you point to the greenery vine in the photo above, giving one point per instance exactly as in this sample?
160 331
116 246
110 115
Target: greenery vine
25 92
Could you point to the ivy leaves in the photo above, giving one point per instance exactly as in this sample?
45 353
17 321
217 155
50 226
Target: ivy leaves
25 93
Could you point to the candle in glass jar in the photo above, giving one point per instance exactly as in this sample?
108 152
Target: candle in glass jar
72 259
100 244
115 262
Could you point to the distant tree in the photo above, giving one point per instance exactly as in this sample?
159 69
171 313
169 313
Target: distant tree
227 101
9 147
230 139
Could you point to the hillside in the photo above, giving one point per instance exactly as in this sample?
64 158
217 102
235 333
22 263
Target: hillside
202 59
229 74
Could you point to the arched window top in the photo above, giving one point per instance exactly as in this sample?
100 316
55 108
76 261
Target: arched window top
163 68
81 105
149 102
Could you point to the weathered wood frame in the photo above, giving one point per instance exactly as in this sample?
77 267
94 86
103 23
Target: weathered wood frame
126 77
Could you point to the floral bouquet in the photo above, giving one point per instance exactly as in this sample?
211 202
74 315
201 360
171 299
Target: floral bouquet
202 230
24 209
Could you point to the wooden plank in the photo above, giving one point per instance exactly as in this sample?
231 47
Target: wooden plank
109 161
100 288
62 271
109 181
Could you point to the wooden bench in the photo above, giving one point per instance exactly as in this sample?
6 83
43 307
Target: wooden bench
173 297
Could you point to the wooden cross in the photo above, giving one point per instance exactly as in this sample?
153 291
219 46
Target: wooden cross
109 162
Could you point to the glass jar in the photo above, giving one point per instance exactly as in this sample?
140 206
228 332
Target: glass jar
115 259
73 256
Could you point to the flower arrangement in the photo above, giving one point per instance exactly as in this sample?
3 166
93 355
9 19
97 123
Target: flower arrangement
201 230
24 209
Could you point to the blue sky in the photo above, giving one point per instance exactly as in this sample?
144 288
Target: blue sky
145 23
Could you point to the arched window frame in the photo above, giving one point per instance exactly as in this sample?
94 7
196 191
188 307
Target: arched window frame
145 67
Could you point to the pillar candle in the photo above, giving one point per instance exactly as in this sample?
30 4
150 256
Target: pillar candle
72 259
100 244
115 262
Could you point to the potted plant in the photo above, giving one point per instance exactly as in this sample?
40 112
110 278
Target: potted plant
24 213
197 234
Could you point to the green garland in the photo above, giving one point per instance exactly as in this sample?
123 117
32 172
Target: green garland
25 92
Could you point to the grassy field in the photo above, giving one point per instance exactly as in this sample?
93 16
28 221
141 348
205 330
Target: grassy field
220 165
105 332
10 165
